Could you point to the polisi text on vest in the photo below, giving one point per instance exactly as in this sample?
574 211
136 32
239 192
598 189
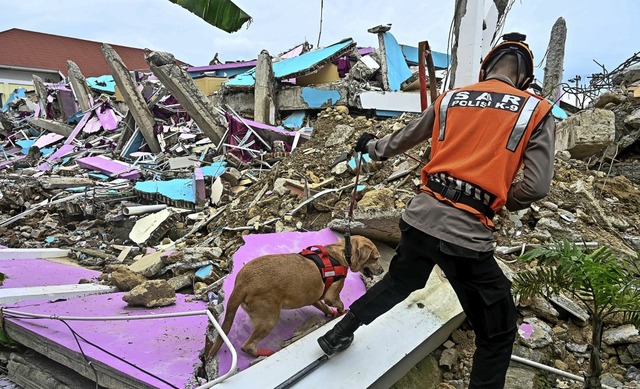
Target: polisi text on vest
494 100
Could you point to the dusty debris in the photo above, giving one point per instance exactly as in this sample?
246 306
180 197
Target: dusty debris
126 279
150 294
105 180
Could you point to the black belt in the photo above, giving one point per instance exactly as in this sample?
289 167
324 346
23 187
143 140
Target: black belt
460 197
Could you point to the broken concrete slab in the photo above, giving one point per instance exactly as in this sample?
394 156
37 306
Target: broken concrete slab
10 253
110 167
586 133
397 68
151 294
152 227
149 265
170 366
40 279
32 370
376 224
52 125
178 82
41 91
126 279
58 182
391 103
79 86
51 293
136 103
264 94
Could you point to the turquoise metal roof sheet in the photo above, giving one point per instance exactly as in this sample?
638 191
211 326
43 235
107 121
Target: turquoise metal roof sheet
290 68
397 69
440 60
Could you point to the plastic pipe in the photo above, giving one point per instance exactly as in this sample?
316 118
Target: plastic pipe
140 209
234 354
553 370
212 319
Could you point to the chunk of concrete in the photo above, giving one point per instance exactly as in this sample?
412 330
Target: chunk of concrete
126 279
132 96
633 119
627 333
153 226
151 294
150 264
375 224
377 199
586 133
535 333
340 136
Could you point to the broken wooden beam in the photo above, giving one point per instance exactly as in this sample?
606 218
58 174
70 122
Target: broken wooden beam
79 86
136 103
182 87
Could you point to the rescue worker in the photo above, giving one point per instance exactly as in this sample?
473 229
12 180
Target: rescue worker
481 135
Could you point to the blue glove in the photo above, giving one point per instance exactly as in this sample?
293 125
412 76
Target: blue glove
363 141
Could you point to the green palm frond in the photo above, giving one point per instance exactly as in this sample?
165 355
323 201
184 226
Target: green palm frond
223 14
601 280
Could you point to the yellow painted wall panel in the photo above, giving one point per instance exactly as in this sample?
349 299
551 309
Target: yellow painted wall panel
324 75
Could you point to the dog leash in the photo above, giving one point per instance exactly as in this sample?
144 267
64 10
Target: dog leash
352 205
302 373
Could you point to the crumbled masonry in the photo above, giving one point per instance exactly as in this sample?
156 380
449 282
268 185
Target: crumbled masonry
155 185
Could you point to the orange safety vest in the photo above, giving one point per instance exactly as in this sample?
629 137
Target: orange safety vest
479 136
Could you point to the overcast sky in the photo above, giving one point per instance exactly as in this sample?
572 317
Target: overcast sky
606 31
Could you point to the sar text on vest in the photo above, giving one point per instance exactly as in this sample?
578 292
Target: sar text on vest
478 99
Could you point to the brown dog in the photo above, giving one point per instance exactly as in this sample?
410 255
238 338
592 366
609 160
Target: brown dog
273 282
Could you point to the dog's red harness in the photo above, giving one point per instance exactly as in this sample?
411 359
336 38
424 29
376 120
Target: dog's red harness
330 269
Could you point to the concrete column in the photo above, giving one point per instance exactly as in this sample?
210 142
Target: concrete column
182 87
495 16
264 109
41 91
79 86
555 60
136 103
52 125
384 68
467 48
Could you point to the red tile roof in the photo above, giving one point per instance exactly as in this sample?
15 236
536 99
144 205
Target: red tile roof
38 50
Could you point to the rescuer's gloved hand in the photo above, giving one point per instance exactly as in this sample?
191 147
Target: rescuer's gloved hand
361 144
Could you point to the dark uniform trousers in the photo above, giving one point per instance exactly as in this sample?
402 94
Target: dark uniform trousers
483 290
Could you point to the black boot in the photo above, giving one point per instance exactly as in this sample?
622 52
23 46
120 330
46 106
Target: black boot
341 335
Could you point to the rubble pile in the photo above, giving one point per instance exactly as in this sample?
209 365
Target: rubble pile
155 222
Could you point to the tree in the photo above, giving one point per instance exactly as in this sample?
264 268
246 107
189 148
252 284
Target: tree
605 283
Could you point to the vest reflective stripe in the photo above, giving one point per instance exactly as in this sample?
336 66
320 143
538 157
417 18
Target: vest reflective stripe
521 124
444 106
463 186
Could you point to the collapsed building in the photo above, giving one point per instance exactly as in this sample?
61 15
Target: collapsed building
160 184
